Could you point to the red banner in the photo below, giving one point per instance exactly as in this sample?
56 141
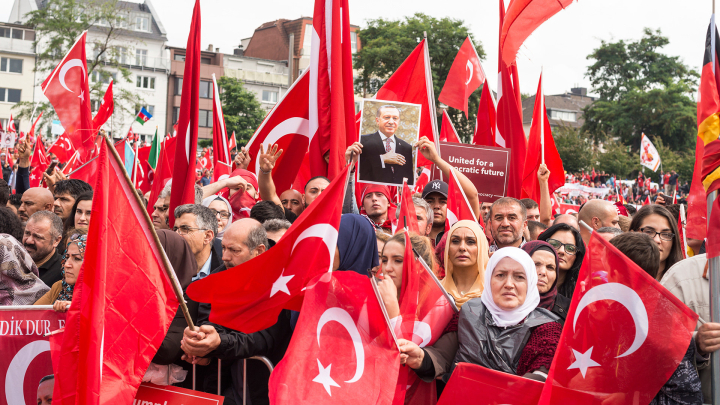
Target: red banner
169 395
25 352
486 167
569 208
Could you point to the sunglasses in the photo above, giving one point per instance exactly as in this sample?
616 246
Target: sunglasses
569 248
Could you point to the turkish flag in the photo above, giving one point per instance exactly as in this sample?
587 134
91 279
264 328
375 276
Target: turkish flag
540 130
489 387
303 175
522 18
287 126
485 121
510 132
183 169
554 205
423 179
221 162
67 90
71 164
142 169
39 164
332 95
412 83
11 125
622 324
241 204
342 351
106 108
248 300
465 76
407 215
458 206
447 130
163 171
233 141
569 209
112 332
206 161
62 148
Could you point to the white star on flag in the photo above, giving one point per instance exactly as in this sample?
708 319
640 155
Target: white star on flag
32 177
82 95
324 377
281 284
583 361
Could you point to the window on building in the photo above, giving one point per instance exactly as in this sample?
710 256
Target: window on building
179 57
95 105
307 39
145 82
567 116
11 65
178 86
269 96
141 57
205 119
103 77
17 34
142 24
205 61
4 32
10 95
29 35
205 87
353 41
176 115
121 54
96 54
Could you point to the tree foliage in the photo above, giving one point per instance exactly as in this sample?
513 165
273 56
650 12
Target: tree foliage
243 113
386 44
575 150
641 91
59 23
617 159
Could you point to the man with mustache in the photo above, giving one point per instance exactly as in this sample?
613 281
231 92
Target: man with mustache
41 238
386 158
507 220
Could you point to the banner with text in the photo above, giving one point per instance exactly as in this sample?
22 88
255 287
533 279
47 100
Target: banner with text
151 394
485 166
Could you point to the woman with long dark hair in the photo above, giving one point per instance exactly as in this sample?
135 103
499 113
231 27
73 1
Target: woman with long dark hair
658 223
570 250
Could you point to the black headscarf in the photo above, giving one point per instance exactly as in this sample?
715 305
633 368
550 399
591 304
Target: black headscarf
568 287
547 299
357 244
179 255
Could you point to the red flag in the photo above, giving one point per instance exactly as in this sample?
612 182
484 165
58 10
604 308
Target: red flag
233 142
112 332
647 201
163 171
342 349
423 179
183 190
67 90
489 387
554 205
458 206
206 161
447 130
39 164
713 239
331 98
106 108
486 121
11 125
71 164
465 76
523 17
412 83
621 324
32 128
407 211
539 130
681 231
248 300
222 162
509 132
287 126
142 170
62 148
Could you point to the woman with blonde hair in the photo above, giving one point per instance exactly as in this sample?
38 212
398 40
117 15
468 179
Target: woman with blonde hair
466 257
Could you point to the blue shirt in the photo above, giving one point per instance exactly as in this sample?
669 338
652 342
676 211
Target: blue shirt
204 270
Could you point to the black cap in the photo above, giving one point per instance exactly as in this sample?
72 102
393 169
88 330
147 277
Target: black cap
435 186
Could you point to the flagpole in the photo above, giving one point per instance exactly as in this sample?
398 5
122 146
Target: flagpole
166 264
542 120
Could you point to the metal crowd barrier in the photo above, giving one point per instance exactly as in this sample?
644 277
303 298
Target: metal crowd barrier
267 363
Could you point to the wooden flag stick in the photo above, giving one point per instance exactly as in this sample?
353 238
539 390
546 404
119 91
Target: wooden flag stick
542 120
170 273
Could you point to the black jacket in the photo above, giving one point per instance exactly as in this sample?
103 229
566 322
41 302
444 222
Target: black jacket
371 167
51 270
561 307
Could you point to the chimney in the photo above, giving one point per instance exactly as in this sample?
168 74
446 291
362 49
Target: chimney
580 91
239 51
210 48
217 50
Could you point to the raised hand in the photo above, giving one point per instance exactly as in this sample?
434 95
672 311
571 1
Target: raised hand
268 158
242 159
353 150
543 173
427 148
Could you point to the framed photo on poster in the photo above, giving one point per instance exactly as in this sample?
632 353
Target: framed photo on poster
388 131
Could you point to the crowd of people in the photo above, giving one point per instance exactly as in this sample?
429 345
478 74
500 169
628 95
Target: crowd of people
511 279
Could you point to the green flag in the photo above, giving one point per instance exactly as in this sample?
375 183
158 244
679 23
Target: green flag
154 151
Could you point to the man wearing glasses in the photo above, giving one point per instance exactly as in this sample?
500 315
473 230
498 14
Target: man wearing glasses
198 226
507 219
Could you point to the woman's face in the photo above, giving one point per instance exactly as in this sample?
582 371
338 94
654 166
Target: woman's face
546 271
566 259
659 224
391 262
508 284
73 263
463 250
222 215
82 214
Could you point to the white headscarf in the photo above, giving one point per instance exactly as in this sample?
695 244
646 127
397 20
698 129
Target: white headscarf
206 203
502 317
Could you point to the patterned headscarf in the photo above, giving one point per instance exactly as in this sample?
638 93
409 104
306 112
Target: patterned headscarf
66 292
20 282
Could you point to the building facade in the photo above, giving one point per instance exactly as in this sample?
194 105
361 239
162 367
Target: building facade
17 71
562 109
267 78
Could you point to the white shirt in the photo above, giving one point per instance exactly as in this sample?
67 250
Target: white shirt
204 270
393 143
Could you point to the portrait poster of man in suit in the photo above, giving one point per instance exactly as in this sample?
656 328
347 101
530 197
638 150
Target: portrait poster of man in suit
388 129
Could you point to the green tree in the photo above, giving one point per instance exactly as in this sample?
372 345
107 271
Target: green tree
57 26
386 44
641 90
617 159
243 113
574 148
681 161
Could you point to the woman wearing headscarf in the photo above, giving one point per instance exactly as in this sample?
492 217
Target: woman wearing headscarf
570 249
546 264
20 282
466 256
183 263
223 211
504 330
61 293
356 245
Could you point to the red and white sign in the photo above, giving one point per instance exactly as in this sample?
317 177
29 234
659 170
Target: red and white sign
486 166
569 208
24 351
169 395
7 139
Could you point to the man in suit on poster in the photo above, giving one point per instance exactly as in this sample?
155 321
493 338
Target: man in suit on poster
386 158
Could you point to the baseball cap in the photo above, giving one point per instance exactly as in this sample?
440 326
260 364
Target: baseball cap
435 186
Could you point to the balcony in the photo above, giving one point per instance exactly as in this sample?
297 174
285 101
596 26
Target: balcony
146 63
274 79
19 46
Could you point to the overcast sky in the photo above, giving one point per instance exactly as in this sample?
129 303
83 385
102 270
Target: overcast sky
560 45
